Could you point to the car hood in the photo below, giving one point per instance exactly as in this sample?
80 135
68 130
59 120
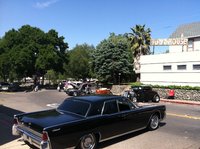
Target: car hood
43 119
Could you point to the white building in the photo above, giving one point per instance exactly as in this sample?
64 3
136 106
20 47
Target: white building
181 66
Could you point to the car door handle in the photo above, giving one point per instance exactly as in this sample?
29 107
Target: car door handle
123 115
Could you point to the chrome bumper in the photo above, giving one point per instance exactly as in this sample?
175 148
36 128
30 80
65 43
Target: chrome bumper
30 137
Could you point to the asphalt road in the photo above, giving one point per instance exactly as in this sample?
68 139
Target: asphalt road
180 129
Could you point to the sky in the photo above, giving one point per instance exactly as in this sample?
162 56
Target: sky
91 21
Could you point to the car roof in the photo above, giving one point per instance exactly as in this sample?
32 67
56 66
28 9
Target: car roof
96 98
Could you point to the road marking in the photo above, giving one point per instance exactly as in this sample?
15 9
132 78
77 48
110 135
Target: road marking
184 116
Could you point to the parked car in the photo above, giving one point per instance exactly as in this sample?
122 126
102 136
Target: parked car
103 91
5 86
84 121
142 94
83 89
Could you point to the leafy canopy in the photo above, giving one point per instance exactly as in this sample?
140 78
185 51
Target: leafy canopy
29 50
79 62
112 59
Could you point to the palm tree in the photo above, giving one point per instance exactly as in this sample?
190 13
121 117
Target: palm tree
140 45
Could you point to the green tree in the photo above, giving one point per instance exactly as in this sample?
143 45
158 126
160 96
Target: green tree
29 51
140 45
4 66
111 60
79 62
52 76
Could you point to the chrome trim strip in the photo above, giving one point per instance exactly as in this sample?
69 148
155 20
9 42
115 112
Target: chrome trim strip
29 134
34 140
121 134
54 130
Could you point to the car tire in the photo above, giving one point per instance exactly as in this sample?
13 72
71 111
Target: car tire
156 98
75 94
134 99
88 141
154 122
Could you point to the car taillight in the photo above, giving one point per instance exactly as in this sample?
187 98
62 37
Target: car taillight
15 121
44 136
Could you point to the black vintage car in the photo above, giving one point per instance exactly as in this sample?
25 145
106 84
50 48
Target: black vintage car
84 121
142 93
5 86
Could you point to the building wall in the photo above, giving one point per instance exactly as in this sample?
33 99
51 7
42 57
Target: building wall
153 69
193 45
175 49
197 44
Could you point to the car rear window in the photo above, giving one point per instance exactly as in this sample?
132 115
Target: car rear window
75 106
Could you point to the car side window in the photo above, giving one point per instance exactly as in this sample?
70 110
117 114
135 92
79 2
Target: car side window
110 107
95 110
123 104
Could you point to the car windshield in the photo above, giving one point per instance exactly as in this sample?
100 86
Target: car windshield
74 106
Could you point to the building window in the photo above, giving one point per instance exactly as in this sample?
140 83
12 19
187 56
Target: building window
167 67
190 44
181 67
196 67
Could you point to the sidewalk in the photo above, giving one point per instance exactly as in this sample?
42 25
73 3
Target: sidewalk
17 143
189 102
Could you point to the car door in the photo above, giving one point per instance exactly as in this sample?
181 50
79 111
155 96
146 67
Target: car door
110 120
146 94
120 117
133 118
149 94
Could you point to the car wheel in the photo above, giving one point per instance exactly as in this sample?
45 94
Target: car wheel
75 94
156 98
134 99
88 142
154 122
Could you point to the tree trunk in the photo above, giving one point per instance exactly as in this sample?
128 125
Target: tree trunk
137 64
138 77
42 80
137 67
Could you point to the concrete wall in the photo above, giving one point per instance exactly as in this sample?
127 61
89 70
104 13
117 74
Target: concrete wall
180 94
163 93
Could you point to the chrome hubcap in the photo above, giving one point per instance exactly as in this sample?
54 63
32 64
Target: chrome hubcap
154 122
134 99
157 98
88 142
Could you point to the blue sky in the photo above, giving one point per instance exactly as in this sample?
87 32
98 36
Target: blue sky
91 21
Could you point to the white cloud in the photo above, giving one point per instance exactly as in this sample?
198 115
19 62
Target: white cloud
46 4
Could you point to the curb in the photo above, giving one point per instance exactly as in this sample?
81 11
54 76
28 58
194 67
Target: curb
181 102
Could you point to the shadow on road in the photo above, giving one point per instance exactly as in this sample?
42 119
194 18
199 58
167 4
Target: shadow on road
125 137
6 121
